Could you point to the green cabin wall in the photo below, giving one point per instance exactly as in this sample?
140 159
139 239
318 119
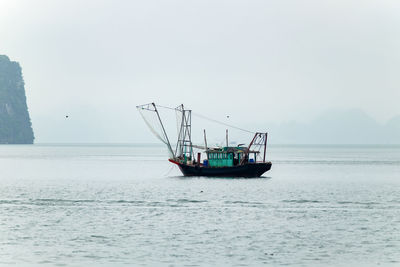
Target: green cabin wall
220 159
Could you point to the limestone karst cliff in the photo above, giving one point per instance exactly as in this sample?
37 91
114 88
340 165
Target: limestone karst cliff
15 123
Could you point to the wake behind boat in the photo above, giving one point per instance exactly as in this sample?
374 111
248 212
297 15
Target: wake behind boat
225 161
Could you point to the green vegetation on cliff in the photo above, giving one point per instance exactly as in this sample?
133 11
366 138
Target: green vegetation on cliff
15 124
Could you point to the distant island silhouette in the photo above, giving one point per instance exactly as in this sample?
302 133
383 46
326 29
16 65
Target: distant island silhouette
15 123
335 127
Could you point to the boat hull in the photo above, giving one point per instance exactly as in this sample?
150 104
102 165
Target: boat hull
249 170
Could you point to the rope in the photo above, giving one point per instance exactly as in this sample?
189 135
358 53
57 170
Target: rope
165 107
170 170
223 123
213 120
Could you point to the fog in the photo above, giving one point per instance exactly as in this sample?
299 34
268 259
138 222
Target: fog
262 63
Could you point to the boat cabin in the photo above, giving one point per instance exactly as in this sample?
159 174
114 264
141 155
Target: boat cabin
229 156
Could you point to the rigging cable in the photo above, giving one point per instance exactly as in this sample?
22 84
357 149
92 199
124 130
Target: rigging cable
213 120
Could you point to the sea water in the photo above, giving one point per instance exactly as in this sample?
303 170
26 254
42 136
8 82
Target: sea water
112 205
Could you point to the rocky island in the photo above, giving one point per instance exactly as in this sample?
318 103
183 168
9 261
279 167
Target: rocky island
15 123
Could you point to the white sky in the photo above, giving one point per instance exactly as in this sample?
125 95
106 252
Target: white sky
257 61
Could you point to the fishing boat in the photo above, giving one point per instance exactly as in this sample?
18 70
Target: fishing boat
222 161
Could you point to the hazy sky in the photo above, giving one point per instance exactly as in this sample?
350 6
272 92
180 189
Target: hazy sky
254 60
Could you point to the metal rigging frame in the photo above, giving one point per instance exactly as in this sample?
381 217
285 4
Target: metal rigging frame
184 146
259 142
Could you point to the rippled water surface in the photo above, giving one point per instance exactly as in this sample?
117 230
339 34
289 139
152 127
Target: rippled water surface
110 205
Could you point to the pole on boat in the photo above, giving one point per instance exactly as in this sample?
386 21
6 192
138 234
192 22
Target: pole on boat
205 142
179 144
265 146
205 138
164 132
227 138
